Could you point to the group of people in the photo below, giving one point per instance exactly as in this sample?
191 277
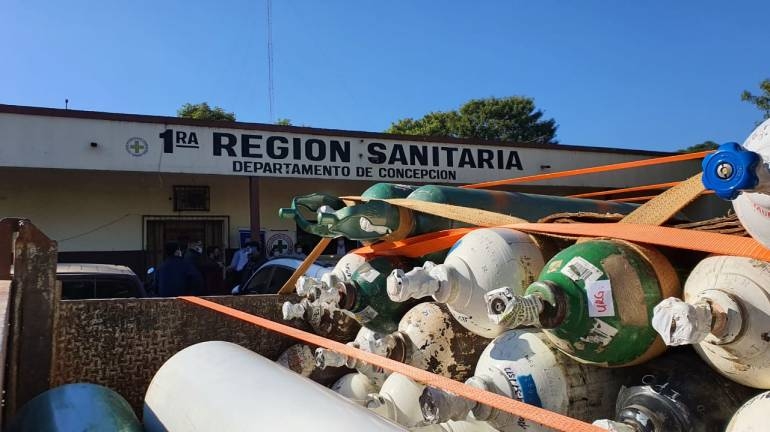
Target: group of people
186 270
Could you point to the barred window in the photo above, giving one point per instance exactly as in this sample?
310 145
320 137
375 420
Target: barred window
191 198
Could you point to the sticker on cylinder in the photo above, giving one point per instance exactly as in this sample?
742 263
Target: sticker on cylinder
578 268
368 275
366 315
601 333
600 303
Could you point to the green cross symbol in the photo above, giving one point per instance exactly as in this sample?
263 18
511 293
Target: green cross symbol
281 246
136 147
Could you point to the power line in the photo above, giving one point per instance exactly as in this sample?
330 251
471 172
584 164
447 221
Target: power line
270 92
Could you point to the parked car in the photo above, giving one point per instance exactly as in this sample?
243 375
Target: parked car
270 276
91 281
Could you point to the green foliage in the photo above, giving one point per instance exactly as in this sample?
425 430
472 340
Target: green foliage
203 111
513 119
283 122
705 145
762 101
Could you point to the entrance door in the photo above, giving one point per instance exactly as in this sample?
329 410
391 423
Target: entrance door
212 231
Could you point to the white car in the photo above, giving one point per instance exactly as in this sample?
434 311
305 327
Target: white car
270 276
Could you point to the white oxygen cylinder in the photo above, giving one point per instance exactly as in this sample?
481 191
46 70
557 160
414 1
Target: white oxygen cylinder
221 386
726 316
367 340
742 174
300 358
481 261
521 365
428 338
311 287
355 386
468 425
753 208
752 416
398 400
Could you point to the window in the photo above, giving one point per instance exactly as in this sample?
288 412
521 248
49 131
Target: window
259 281
77 289
191 198
115 288
280 276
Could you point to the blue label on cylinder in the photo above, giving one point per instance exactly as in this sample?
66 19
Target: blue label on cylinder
528 390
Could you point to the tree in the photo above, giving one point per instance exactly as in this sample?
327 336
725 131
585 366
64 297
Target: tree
762 101
512 119
283 122
203 111
705 145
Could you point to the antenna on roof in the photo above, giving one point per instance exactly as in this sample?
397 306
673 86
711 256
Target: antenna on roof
66 103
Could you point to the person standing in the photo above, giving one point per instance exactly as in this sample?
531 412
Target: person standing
256 259
214 274
176 276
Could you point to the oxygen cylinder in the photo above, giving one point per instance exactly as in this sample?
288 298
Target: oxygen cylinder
482 260
521 365
725 315
428 338
320 204
752 416
468 425
76 407
300 358
367 340
222 386
376 220
398 400
595 301
314 288
355 386
742 174
325 320
365 296
676 393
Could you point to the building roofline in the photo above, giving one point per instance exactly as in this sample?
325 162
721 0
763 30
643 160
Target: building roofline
141 118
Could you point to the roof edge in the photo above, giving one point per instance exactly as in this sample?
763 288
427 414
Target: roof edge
143 118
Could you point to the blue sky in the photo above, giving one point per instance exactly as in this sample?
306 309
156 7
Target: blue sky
646 75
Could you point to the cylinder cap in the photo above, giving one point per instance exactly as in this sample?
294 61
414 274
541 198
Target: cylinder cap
730 170
680 323
292 311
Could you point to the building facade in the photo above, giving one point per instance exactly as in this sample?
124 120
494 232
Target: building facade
114 187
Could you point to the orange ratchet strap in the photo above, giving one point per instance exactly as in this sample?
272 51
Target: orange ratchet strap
722 244
591 170
416 246
512 406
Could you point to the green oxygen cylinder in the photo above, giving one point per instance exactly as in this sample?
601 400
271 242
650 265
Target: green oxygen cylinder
376 220
365 295
319 203
76 407
595 302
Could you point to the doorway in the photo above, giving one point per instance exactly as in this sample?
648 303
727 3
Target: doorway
211 230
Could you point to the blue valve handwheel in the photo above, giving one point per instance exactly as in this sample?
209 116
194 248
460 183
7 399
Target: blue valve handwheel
730 170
